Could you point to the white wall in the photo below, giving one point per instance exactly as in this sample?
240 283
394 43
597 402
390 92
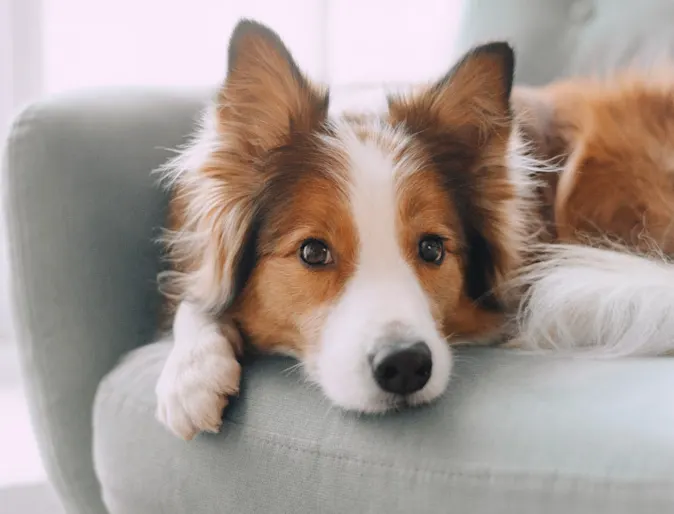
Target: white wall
20 82
180 43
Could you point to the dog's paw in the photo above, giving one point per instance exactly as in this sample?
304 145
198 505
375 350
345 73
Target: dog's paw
194 387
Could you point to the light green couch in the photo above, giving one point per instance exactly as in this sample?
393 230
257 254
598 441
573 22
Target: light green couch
514 434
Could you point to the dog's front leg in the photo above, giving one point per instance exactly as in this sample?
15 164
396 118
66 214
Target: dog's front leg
200 373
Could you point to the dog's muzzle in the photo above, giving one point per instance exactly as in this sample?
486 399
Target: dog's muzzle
402 368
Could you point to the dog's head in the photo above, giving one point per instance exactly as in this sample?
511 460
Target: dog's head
359 244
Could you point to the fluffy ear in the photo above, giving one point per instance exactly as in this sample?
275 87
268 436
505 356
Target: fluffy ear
265 97
263 104
471 100
465 122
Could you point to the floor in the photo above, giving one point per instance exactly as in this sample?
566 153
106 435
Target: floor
23 483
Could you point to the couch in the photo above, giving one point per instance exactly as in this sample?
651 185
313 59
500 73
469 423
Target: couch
514 434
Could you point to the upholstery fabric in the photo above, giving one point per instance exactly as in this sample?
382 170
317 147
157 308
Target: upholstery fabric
558 38
514 433
82 210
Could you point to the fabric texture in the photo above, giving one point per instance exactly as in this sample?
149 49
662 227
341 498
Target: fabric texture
514 434
560 38
82 211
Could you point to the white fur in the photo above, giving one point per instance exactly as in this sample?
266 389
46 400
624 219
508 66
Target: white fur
383 300
202 370
206 214
524 227
192 156
200 373
597 302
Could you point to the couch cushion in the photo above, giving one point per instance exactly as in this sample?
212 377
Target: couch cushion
514 434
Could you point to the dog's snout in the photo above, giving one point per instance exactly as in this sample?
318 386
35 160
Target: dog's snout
402 368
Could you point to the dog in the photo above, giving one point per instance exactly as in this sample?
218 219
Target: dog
603 288
364 245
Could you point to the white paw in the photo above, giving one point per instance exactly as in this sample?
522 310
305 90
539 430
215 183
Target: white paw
195 384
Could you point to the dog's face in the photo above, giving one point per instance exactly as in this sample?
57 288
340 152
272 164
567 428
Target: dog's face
361 245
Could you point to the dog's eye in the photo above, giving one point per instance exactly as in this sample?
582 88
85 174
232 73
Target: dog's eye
432 249
315 253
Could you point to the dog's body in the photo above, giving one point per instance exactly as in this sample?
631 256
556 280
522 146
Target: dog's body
606 289
366 245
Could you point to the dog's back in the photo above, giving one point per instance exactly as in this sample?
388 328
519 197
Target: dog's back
612 139
613 194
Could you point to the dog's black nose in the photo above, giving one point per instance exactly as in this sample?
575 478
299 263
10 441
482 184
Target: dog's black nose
402 368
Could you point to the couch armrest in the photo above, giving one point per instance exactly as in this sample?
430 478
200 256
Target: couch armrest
82 210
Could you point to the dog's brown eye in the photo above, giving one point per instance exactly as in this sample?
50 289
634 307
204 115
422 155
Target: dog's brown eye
315 253
432 249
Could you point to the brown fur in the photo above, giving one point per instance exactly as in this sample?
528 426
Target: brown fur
280 304
273 184
464 125
613 141
265 103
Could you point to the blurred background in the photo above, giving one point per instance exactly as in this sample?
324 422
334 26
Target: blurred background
54 47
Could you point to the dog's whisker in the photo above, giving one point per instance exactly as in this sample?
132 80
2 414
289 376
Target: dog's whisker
294 368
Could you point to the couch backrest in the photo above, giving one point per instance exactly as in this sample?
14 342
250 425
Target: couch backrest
556 38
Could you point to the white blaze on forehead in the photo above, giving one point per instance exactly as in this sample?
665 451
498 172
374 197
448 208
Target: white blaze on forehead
378 164
383 301
373 193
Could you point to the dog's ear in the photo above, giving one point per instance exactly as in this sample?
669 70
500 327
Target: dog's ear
265 98
472 100
264 102
465 121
